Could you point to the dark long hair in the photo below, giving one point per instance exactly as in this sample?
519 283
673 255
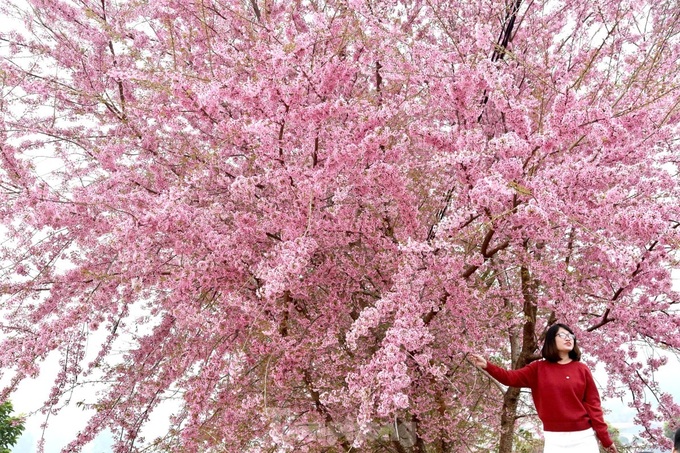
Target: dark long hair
549 350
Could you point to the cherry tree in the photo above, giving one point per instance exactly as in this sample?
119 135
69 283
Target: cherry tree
291 221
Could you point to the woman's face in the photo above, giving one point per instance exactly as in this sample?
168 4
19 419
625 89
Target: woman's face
564 340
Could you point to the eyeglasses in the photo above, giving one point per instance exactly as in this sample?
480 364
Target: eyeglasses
566 336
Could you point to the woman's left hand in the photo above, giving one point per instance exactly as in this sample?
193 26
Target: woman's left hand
612 448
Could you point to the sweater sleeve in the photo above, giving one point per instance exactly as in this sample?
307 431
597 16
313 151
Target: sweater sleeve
594 408
524 377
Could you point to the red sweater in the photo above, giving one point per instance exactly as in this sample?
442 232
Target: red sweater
565 396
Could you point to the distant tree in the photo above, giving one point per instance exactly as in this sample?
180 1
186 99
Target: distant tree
670 427
615 434
623 445
10 427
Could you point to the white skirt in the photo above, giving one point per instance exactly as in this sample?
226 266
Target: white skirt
574 442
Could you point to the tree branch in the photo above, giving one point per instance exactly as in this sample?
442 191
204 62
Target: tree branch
256 9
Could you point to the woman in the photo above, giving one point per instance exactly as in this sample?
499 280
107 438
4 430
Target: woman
564 393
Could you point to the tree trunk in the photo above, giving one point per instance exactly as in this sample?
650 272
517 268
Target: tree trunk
508 417
529 346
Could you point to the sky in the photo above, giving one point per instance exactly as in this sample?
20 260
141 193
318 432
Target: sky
620 415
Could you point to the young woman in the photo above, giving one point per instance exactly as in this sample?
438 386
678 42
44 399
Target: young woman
564 393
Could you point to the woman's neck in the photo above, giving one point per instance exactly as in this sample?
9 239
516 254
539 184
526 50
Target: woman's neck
564 358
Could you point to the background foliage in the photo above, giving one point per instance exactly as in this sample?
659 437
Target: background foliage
10 427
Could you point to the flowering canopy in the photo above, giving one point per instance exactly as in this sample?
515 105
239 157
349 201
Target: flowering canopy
294 219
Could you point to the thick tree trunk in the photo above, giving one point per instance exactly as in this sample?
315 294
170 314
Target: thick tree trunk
529 346
508 417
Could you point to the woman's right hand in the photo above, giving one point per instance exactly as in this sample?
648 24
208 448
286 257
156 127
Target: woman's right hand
478 361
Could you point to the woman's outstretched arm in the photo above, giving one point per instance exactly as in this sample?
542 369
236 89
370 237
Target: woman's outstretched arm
524 377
